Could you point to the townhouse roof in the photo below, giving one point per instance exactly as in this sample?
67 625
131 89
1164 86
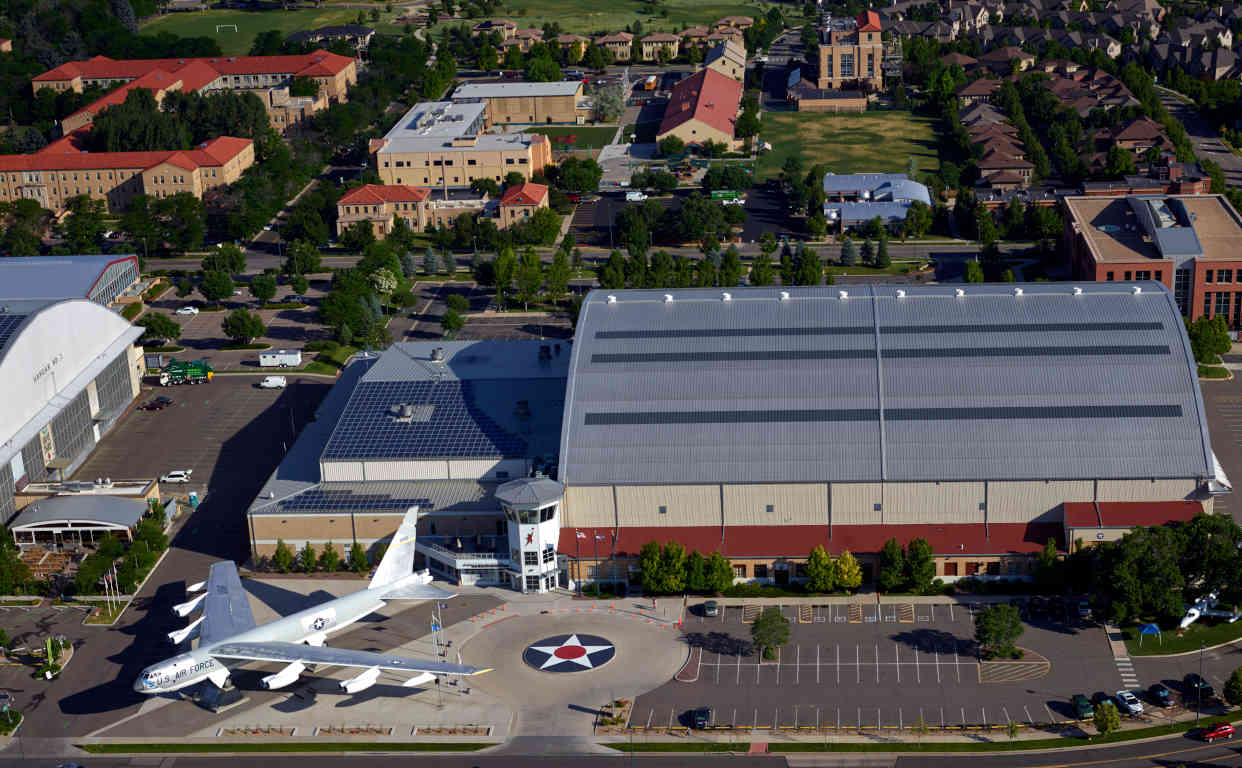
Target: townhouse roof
661 37
104 68
1140 129
375 194
1006 54
995 158
526 193
729 49
615 37
981 87
960 59
706 96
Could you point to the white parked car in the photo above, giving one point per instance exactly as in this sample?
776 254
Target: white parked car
1128 703
634 196
188 311
177 476
273 382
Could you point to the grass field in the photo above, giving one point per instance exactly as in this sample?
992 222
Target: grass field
581 18
1203 632
871 142
251 23
588 137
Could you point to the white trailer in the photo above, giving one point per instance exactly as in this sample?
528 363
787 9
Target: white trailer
280 358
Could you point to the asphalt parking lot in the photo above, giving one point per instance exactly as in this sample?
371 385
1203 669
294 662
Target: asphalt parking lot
1223 403
868 666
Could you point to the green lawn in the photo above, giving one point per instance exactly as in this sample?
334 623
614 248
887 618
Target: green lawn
588 19
871 142
1202 632
251 23
585 137
894 268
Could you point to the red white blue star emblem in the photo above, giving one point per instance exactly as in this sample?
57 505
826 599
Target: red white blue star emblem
569 653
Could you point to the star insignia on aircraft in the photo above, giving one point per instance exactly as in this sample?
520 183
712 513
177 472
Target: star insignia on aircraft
319 623
569 653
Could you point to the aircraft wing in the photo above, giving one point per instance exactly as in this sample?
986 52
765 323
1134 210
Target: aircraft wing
308 654
226 610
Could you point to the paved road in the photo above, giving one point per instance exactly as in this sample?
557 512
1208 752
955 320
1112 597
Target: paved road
1207 143
1167 752
439 761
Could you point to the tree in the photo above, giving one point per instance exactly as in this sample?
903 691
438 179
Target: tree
997 629
974 272
849 572
671 146
882 259
301 258
184 288
307 561
299 284
719 575
558 277
1120 162
868 253
263 287
487 186
820 571
529 277
329 559
282 558
849 253
457 302
1107 719
504 267
429 261
673 567
1209 337
448 263
83 227
159 327
1233 688
358 236
358 558
920 568
810 270
1048 566
770 631
731 267
761 273
383 281
891 574
649 566
243 326
181 221
227 258
451 322
696 572
578 175
216 286
609 103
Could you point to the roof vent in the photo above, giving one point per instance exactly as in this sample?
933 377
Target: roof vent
668 298
843 294
901 294
1137 290
612 299
437 355
784 295
959 292
726 296
1017 291
1077 291
271 494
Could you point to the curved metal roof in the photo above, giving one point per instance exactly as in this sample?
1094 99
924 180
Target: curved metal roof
530 492
106 510
867 383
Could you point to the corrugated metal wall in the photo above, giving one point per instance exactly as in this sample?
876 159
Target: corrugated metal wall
684 504
588 506
1145 490
856 503
933 503
1034 500
341 471
485 469
803 504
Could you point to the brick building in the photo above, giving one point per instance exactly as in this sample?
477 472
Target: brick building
851 52
1189 243
702 107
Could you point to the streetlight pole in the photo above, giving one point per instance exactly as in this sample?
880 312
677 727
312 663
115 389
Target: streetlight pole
1199 687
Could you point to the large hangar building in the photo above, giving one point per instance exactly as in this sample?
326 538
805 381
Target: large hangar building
763 422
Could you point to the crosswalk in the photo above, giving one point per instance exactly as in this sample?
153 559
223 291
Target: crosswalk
1125 667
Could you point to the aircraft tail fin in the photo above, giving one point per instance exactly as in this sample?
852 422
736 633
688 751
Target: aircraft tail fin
415 591
398 560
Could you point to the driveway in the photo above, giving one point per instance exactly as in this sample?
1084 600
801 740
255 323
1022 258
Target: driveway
1207 144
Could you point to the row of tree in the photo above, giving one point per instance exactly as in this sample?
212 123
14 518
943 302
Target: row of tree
307 560
668 569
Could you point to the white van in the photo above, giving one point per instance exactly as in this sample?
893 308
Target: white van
634 196
273 382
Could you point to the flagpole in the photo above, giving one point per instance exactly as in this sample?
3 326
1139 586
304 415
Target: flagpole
578 558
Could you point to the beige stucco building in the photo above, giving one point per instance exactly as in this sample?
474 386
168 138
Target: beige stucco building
851 52
528 103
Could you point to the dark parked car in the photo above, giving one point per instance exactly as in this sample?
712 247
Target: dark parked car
158 404
1220 731
711 608
1082 707
704 717
1197 687
1160 695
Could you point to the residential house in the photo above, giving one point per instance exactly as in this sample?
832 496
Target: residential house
520 201
620 44
660 41
728 59
978 90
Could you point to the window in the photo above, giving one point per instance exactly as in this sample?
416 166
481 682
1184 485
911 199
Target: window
847 65
1207 304
663 510
549 582
472 161
547 513
739 571
994 568
1109 277
761 571
508 161
549 555
530 558
1222 304
1160 275
1181 289
1207 276
532 583
1128 278
1224 275
1142 274
950 569
770 508
972 569
1237 308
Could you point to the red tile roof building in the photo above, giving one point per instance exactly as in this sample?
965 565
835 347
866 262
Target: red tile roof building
62 170
381 204
520 201
702 107
268 76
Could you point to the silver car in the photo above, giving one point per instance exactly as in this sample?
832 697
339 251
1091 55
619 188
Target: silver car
1128 703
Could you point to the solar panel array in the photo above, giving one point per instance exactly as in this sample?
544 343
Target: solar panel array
319 500
457 425
8 327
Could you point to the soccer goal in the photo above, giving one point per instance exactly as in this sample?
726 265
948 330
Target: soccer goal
225 28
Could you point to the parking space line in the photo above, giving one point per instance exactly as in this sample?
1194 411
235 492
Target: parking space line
937 655
778 666
956 666
797 665
857 664
1051 719
897 656
918 674
718 665
739 669
877 663
1029 719
817 663
838 663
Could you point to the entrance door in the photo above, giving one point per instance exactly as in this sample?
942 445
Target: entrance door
866 573
781 577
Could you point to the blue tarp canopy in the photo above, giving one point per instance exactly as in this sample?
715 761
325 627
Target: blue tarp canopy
1149 629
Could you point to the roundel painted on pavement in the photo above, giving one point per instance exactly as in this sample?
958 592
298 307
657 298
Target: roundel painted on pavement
569 653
